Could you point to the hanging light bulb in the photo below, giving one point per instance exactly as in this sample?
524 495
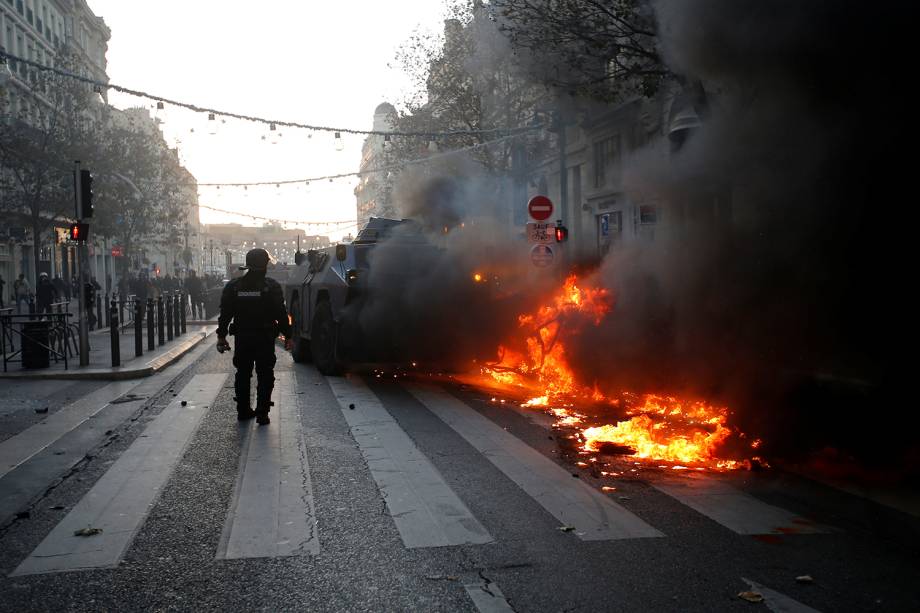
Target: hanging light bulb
339 143
212 124
159 113
273 133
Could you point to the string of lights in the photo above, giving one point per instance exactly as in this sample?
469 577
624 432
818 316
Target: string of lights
369 171
273 123
299 222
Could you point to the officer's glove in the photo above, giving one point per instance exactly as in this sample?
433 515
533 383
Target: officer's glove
222 344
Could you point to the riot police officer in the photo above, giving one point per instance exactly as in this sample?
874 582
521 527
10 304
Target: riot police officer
255 303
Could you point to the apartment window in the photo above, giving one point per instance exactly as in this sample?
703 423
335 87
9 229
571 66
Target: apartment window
20 7
606 160
648 214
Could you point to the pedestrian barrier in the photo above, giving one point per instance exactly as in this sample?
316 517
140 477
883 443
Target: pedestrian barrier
138 328
161 329
169 318
41 339
54 335
151 334
113 335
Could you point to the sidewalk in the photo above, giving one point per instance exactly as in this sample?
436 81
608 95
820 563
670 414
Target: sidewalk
100 357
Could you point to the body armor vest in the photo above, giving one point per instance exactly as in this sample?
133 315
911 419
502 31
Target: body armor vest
251 307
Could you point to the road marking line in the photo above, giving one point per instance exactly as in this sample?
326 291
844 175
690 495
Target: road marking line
119 502
593 515
273 513
18 449
779 603
425 509
736 510
485 594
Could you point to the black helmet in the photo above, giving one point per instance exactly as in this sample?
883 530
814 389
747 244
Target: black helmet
256 259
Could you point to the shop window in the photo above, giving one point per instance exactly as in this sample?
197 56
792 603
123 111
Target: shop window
648 214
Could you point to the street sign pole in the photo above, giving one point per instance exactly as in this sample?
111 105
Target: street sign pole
82 262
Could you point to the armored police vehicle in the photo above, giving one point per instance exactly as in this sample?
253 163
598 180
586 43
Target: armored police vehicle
327 294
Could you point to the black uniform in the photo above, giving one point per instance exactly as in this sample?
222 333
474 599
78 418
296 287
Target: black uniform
255 303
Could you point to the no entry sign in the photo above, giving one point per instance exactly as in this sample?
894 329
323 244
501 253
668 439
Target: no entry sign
541 256
540 208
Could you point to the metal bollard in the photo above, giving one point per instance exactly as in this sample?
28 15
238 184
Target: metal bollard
151 334
31 305
182 311
177 307
169 318
138 328
161 320
99 315
113 334
108 315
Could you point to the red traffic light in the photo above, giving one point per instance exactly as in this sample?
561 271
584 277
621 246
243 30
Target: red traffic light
562 234
79 232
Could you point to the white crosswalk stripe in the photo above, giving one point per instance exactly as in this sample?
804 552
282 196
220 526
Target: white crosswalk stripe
119 502
592 515
425 509
719 501
272 513
19 448
736 510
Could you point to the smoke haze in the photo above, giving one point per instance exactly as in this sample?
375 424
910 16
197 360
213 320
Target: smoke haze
776 288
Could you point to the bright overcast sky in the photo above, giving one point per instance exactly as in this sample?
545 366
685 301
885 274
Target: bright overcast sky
321 63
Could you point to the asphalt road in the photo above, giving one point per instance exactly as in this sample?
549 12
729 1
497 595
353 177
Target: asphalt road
422 497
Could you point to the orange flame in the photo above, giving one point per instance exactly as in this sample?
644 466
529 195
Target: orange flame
660 428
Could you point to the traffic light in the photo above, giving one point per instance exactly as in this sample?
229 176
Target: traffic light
79 232
86 194
562 234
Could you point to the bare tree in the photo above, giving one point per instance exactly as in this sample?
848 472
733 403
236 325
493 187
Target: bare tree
604 49
36 154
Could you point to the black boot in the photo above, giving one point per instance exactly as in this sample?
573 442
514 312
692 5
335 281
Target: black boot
244 411
262 413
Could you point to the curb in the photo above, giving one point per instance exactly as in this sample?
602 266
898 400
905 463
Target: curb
119 373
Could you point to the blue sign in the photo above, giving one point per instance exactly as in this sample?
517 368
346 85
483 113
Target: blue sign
605 224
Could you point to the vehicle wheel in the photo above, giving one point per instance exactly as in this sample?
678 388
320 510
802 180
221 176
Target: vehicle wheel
324 341
301 349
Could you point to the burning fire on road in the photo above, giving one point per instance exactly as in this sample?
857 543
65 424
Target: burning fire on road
532 363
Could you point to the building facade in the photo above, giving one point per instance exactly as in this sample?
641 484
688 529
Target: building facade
224 246
374 192
44 31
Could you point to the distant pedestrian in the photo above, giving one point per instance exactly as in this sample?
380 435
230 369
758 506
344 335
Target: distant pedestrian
89 295
194 288
60 287
22 291
45 294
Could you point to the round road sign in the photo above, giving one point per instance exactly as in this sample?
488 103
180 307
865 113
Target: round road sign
540 208
541 256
